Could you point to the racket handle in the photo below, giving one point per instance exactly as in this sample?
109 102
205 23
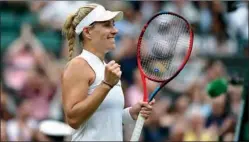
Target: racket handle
138 128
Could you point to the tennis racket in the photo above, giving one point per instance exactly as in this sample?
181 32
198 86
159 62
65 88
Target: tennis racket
163 49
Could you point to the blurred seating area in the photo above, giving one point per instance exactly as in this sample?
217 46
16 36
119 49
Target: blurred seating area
34 53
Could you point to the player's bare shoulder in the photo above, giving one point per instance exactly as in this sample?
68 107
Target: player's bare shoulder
78 68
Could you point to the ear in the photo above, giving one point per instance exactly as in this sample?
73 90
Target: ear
87 33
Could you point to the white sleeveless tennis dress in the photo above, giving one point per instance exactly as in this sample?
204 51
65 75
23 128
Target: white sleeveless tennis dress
106 122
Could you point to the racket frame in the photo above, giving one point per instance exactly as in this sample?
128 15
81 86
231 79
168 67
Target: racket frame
140 120
163 82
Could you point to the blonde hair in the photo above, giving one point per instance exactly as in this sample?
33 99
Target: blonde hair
70 24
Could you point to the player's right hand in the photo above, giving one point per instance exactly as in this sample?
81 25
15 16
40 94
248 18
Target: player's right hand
112 73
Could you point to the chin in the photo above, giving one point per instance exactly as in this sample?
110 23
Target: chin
112 47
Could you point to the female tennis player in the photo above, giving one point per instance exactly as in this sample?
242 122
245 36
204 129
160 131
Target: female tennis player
93 99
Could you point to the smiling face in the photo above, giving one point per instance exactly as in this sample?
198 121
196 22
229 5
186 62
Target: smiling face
102 35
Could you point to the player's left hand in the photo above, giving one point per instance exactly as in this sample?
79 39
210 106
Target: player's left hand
144 107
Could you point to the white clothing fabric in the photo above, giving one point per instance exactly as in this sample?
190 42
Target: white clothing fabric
106 123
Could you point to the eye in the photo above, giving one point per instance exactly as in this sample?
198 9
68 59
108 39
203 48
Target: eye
107 24
113 23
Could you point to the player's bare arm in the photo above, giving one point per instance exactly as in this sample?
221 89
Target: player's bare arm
77 77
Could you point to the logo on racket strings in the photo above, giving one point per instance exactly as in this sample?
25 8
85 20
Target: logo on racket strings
156 70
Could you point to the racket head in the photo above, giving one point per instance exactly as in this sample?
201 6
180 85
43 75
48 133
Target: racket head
159 44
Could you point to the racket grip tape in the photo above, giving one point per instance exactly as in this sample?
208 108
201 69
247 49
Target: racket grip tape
138 128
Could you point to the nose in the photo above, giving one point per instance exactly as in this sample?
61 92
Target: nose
114 30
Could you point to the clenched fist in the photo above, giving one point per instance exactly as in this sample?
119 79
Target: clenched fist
112 73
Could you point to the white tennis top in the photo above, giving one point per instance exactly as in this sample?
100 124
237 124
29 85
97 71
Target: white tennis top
106 123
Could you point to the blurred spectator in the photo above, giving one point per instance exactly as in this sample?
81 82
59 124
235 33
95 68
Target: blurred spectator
22 127
3 131
20 58
228 137
199 97
219 29
53 13
135 91
177 131
220 116
174 120
154 7
218 42
175 112
5 108
154 129
55 106
181 105
30 72
205 17
190 73
235 94
40 90
195 127
213 70
184 8
238 20
218 113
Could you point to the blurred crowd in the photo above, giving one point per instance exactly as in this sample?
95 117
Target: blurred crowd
31 69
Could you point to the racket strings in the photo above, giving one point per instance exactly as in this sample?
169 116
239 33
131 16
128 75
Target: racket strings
173 50
164 37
